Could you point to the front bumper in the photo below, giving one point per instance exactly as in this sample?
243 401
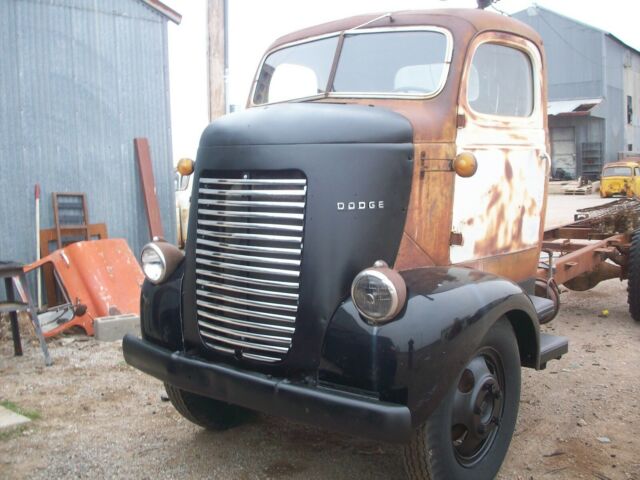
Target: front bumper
614 187
326 408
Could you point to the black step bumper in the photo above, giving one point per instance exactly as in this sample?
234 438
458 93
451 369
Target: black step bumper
326 408
552 347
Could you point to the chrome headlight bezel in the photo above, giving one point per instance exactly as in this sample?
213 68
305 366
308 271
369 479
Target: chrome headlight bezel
168 255
394 284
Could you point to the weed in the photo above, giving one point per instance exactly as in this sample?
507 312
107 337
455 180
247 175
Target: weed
30 414
14 432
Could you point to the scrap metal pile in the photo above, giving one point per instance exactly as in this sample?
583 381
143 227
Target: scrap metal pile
620 216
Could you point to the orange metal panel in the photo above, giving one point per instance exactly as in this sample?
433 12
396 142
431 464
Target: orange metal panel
103 275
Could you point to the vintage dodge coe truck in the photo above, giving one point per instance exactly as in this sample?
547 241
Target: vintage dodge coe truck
364 241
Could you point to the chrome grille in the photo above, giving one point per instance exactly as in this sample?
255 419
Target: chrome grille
248 255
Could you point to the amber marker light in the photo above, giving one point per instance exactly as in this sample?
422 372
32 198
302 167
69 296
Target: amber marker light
465 164
185 167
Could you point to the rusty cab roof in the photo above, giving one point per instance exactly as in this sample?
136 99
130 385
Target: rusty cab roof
458 20
439 125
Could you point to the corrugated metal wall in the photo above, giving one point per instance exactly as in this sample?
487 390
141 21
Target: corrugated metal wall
79 80
574 54
632 87
585 62
615 100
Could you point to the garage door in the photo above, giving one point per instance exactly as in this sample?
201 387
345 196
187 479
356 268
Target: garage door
563 152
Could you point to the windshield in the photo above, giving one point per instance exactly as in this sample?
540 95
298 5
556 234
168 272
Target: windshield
296 72
390 63
617 172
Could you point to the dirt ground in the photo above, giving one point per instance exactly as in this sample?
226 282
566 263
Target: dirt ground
562 207
99 418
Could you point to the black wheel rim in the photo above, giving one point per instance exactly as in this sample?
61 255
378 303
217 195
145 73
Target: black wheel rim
478 407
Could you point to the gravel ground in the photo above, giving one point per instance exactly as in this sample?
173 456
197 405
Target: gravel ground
102 419
99 418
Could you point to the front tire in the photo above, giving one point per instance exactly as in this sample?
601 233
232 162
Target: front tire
468 435
633 286
206 412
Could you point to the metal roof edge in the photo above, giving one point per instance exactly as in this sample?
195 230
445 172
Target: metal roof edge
164 10
626 45
578 22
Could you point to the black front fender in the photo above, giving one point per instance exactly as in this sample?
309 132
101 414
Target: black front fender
160 311
415 358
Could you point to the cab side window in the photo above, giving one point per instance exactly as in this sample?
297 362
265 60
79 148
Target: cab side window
637 169
501 81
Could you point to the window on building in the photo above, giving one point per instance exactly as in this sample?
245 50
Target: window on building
629 109
501 81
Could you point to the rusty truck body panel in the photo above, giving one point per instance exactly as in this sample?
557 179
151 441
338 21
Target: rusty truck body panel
494 220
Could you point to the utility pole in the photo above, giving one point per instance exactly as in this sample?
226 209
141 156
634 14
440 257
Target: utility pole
482 4
217 57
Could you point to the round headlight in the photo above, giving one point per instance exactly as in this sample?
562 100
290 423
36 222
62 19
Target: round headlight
379 293
154 264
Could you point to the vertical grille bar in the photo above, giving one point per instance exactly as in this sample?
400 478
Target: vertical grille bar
249 242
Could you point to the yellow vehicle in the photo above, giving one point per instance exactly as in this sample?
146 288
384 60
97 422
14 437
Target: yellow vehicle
620 178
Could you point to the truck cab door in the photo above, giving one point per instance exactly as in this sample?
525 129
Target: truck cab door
499 210
636 182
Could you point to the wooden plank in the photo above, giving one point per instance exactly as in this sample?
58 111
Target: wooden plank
145 168
13 316
56 220
97 230
60 226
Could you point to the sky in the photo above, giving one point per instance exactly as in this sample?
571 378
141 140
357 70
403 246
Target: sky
254 24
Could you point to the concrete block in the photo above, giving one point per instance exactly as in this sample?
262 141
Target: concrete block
112 328
9 419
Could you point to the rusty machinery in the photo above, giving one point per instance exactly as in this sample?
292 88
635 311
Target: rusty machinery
594 248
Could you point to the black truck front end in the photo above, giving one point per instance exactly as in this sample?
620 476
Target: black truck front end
290 202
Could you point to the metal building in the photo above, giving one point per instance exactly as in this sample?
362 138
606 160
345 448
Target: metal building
79 80
594 93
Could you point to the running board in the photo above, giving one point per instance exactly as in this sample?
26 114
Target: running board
545 308
552 347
